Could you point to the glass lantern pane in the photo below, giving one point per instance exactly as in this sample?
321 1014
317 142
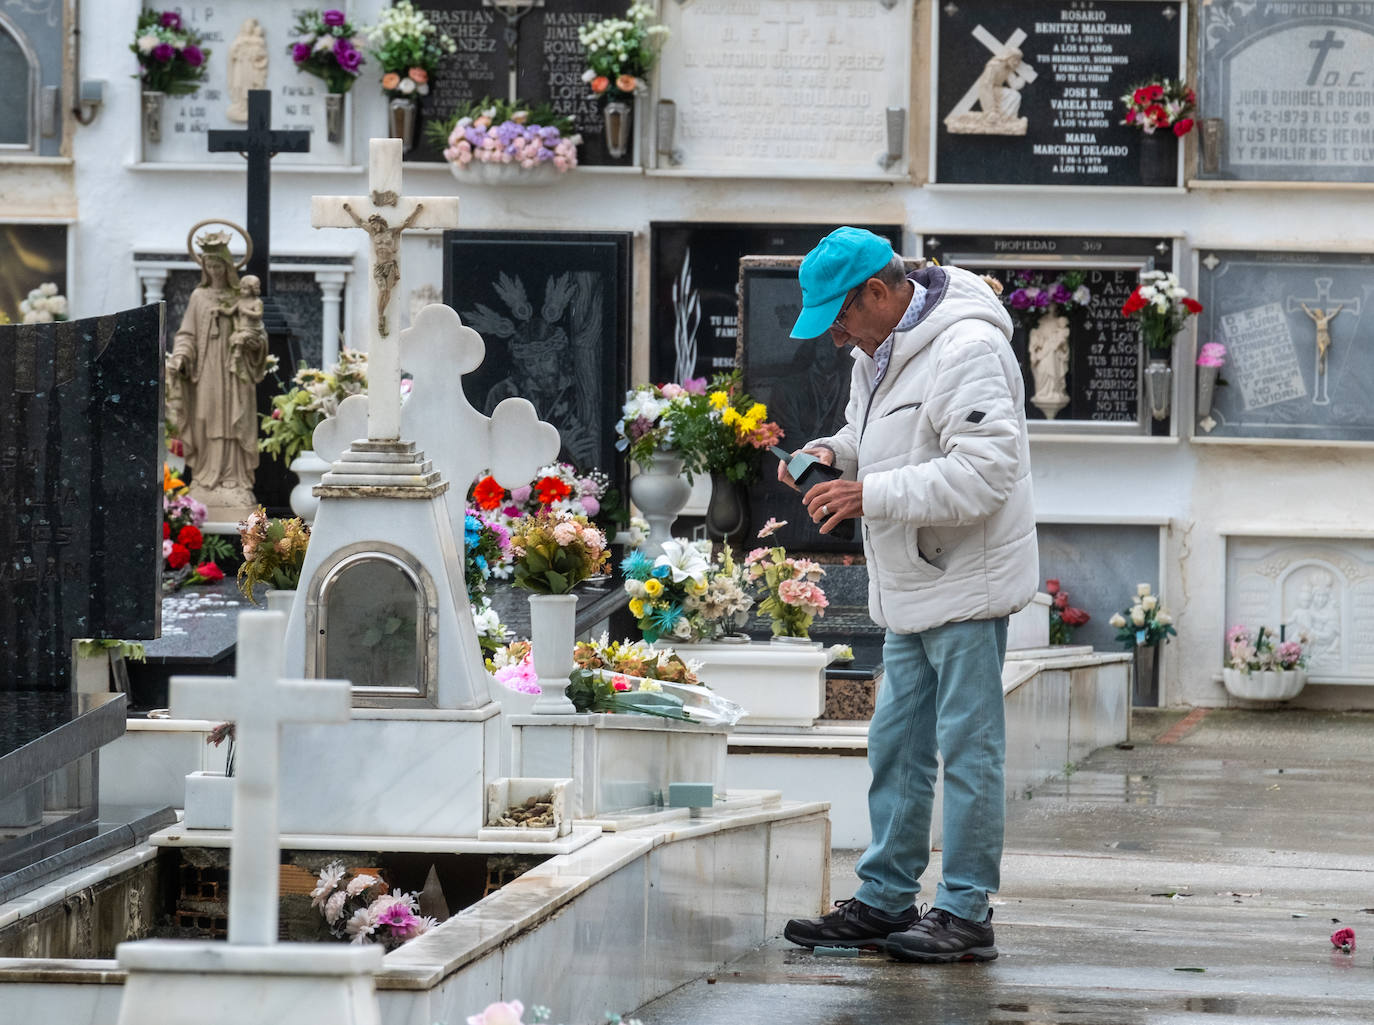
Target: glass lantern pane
372 623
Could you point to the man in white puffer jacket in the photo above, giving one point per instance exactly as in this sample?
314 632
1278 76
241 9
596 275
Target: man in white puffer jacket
936 461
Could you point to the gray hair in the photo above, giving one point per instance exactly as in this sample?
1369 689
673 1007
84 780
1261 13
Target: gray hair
894 273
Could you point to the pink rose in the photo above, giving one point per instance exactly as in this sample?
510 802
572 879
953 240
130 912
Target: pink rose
671 391
520 495
1345 939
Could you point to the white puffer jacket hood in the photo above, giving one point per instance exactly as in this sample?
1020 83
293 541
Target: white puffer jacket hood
940 445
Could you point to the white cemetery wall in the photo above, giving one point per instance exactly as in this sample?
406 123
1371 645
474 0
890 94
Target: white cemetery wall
126 204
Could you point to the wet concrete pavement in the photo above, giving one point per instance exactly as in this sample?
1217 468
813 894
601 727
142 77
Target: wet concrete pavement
1236 846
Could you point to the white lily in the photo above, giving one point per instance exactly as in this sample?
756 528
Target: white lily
684 560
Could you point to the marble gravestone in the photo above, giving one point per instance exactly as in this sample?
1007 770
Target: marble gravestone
544 65
553 309
1298 363
80 489
1286 91
1104 348
1072 64
1099 565
1320 587
788 88
694 268
298 99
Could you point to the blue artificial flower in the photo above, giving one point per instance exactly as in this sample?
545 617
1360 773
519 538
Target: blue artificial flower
665 617
636 566
481 563
472 524
663 572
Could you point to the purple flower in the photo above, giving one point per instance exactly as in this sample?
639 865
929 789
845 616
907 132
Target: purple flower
549 135
1043 299
475 136
348 58
332 17
163 52
1019 300
300 53
193 55
171 20
1061 293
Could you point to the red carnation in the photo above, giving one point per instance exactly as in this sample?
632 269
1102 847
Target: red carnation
209 572
1192 305
166 530
1134 304
178 556
1061 600
1075 617
488 494
551 489
1345 939
1052 586
190 536
1183 127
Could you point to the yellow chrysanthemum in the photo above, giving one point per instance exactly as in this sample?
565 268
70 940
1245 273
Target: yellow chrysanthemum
637 608
746 424
718 399
653 587
730 416
757 412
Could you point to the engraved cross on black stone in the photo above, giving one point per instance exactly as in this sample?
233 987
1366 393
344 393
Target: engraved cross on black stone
259 143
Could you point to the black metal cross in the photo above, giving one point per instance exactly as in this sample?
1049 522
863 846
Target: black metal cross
259 143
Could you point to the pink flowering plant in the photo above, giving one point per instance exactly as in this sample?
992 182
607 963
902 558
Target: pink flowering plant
357 906
1212 354
170 57
554 552
789 590
1263 651
498 132
649 415
328 46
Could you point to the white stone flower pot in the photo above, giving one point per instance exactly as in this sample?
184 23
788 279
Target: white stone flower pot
506 792
309 470
1264 685
779 684
209 801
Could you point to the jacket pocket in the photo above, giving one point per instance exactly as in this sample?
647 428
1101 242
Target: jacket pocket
895 549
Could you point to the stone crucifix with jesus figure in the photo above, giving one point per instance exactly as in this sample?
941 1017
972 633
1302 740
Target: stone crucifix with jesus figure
384 500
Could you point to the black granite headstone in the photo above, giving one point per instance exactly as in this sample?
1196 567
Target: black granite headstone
554 311
1286 90
695 272
80 489
549 62
1084 57
1104 347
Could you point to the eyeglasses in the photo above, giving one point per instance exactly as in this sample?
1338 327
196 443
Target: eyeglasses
839 318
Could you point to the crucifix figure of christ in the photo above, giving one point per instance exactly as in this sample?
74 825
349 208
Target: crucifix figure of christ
384 214
996 91
513 10
1322 315
258 702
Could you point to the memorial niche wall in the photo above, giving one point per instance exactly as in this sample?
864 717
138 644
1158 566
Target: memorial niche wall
549 62
1104 368
1287 91
1276 312
1061 106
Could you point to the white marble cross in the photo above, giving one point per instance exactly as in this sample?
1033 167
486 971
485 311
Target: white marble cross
384 214
258 702
513 443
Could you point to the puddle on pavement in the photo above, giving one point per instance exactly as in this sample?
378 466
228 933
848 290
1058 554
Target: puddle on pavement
1088 786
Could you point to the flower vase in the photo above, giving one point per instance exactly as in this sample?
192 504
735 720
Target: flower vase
1206 387
334 116
280 599
401 113
727 513
617 118
1159 387
1145 684
552 635
1264 684
1159 158
152 115
660 491
787 640
310 470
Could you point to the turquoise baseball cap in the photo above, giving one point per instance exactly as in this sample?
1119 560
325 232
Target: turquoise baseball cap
843 259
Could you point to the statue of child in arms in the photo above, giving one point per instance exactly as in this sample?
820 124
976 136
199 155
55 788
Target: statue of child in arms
247 326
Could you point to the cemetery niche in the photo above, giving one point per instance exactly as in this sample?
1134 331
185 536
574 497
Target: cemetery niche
1286 92
786 88
31 255
1296 365
1054 75
694 267
1082 362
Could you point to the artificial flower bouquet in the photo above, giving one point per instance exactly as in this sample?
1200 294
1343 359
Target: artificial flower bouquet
1213 355
1144 622
357 907
789 592
273 552
409 47
497 132
43 305
1033 293
328 46
686 593
1164 103
170 57
1262 651
556 488
188 554
486 547
1063 616
554 552
1161 306
314 394
723 430
648 418
621 52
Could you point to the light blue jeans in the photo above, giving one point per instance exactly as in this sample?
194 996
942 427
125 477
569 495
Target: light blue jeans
941 692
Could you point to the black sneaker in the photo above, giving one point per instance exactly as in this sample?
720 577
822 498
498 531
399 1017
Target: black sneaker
941 937
852 924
